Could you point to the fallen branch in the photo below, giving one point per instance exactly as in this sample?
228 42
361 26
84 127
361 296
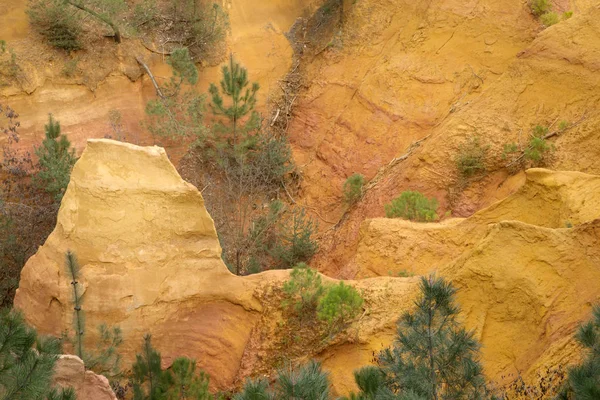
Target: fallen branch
143 64
162 53
276 116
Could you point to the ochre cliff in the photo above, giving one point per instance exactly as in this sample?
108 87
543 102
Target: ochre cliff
108 77
150 263
552 79
525 268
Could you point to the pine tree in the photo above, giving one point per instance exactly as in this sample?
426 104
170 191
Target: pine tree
186 383
56 159
309 382
27 361
234 85
583 382
254 390
433 356
370 380
149 380
104 359
73 270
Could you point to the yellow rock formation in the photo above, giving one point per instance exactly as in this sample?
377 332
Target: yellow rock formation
110 79
150 262
526 268
546 82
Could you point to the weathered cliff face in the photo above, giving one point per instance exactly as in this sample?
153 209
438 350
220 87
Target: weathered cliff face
109 79
150 262
399 69
552 79
524 267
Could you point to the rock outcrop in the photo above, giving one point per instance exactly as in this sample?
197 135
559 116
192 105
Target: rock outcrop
150 262
525 267
70 372
554 78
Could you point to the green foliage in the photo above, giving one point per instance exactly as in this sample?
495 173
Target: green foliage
73 270
279 239
56 159
309 382
149 380
567 15
185 383
539 7
179 110
183 66
550 18
70 67
583 382
304 289
27 213
470 160
538 146
255 390
105 359
413 206
433 355
56 23
242 100
271 158
340 304
563 125
27 361
370 380
353 188
294 242
182 382
2 46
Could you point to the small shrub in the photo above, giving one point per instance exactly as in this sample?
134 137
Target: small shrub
567 15
309 382
549 18
583 379
538 146
70 68
413 206
353 188
340 304
56 159
563 125
470 160
295 242
304 290
539 7
56 23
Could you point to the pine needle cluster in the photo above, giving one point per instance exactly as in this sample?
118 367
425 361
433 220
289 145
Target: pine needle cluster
27 361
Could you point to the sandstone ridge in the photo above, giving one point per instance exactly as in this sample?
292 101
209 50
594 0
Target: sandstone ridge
149 257
150 263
